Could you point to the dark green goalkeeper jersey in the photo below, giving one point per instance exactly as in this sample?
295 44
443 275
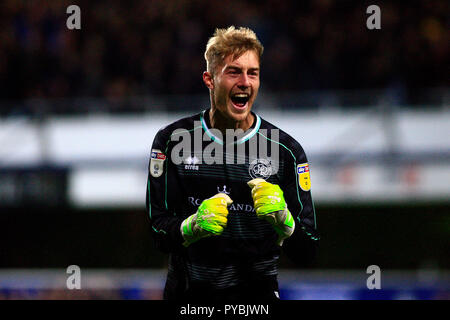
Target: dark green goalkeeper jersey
190 162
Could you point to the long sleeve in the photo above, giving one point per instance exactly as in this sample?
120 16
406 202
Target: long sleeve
165 226
302 245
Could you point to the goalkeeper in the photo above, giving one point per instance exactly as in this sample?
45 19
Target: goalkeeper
225 223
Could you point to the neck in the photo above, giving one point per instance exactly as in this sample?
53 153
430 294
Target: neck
221 122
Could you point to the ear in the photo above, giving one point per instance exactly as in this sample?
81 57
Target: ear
208 80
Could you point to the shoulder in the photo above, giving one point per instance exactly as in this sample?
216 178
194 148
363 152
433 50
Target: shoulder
284 139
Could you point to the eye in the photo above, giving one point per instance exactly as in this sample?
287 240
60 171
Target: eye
233 71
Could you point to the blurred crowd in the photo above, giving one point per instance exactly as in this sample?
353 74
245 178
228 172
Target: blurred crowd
155 47
85 294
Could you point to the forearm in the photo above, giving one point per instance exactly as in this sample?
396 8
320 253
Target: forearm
301 248
165 229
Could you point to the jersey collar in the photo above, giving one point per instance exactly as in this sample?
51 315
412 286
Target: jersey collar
250 133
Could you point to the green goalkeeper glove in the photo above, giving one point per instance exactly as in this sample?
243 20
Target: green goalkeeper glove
270 205
210 219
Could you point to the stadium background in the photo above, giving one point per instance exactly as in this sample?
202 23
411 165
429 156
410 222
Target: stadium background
79 110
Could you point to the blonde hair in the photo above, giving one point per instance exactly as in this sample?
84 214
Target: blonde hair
230 41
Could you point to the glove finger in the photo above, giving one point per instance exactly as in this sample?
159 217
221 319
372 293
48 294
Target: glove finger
216 204
220 220
259 193
211 221
269 199
267 205
207 208
254 182
224 197
264 210
262 185
215 229
221 211
209 224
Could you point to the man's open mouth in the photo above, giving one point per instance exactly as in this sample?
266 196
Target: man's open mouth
240 100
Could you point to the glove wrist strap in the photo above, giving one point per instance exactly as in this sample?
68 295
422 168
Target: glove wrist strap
189 230
284 225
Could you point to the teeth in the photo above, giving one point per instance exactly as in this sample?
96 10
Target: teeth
241 95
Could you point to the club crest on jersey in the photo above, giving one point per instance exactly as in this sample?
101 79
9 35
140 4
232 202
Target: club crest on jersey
303 176
260 168
156 166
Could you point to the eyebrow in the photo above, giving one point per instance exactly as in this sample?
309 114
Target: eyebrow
239 68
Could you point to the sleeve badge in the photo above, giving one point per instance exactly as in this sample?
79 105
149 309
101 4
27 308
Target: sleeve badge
156 166
303 176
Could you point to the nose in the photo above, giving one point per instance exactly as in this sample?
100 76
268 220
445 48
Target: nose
244 81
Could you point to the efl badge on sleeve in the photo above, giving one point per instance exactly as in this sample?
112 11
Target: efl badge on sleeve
303 176
157 163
